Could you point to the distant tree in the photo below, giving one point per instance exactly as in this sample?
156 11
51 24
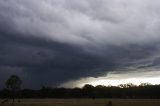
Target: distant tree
89 90
88 86
122 85
13 84
100 86
144 84
128 85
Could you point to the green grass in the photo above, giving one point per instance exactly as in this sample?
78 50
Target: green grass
85 102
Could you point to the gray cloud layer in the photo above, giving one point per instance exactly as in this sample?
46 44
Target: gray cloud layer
49 42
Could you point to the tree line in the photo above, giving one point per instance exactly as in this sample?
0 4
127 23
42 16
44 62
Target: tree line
145 90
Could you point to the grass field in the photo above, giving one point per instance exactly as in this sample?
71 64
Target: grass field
84 102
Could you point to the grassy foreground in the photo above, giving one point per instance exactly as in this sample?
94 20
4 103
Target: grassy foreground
84 102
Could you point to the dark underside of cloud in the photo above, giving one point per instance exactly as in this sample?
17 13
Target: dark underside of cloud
43 62
69 51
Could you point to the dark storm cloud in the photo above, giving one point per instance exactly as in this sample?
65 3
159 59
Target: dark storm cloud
47 61
41 62
49 42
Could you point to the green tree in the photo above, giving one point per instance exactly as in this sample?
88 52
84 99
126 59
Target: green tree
14 85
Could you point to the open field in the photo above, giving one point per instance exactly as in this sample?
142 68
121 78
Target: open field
85 102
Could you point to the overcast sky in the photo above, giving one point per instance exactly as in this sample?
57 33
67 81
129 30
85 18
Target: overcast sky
63 42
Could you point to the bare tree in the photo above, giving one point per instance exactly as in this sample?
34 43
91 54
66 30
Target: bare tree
14 85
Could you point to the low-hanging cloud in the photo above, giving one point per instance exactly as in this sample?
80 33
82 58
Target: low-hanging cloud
53 41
